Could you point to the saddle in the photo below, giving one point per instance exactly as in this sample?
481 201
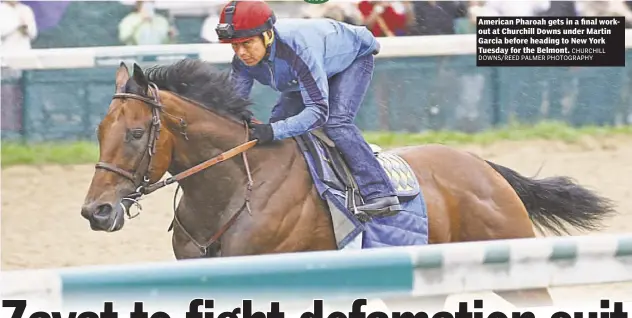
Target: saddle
331 169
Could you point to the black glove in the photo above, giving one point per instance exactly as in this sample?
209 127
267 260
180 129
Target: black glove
262 132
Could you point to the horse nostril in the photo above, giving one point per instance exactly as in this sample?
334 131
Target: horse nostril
103 211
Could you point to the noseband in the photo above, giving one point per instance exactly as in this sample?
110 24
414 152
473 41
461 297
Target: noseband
141 177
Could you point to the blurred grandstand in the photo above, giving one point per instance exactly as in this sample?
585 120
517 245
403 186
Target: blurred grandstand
73 24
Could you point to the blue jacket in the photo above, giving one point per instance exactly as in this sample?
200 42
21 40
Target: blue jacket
305 53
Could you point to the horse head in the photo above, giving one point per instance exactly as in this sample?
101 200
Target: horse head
151 115
134 150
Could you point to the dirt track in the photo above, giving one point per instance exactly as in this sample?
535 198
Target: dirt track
41 225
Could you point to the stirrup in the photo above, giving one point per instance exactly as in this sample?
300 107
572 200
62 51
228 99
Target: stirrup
390 210
350 202
363 217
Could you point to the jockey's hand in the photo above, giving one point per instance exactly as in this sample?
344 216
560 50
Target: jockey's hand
262 132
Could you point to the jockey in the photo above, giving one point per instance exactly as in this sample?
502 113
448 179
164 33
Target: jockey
322 68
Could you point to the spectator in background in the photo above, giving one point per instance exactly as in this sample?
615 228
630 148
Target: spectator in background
208 33
145 27
386 18
529 8
17 29
478 9
340 11
437 17
474 9
17 26
561 9
605 8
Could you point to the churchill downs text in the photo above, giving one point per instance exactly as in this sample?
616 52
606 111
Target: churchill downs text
540 31
200 308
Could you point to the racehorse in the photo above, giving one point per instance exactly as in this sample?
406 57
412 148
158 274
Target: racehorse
187 120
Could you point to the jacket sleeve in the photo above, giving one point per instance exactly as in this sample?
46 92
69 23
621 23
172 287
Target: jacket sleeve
240 78
312 79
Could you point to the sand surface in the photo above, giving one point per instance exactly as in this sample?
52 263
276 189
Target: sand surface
42 226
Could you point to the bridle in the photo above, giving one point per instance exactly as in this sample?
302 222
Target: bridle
141 176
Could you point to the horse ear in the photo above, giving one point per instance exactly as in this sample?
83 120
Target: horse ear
122 76
139 77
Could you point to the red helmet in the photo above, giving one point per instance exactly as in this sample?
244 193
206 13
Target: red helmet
243 20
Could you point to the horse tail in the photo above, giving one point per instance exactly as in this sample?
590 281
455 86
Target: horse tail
552 202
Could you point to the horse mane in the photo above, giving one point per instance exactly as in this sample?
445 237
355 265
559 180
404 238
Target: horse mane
202 83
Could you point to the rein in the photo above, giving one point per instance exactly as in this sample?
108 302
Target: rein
145 188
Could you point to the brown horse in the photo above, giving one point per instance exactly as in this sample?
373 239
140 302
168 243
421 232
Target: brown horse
174 118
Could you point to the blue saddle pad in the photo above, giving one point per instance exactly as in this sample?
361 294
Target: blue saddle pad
409 227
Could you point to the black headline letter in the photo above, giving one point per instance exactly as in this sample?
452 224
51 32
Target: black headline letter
478 304
378 314
108 310
618 311
247 305
318 310
356 308
88 314
18 304
561 314
275 311
193 308
526 314
442 314
227 314
463 312
498 314
138 311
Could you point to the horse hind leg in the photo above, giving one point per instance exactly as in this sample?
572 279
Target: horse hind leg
516 225
506 218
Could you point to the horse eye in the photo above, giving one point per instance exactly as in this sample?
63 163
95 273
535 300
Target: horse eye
137 133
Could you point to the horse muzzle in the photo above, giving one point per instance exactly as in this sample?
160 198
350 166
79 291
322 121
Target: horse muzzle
104 216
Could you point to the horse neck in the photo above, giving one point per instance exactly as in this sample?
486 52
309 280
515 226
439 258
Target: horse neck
206 135
219 187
